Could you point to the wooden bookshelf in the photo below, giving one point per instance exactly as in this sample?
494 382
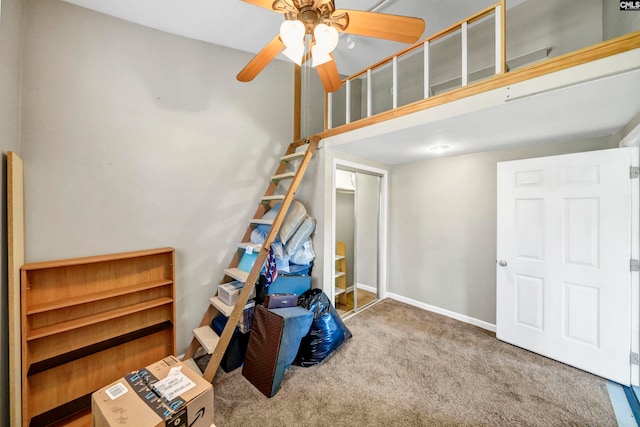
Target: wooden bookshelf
87 322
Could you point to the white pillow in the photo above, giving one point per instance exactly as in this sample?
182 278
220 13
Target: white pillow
295 215
301 235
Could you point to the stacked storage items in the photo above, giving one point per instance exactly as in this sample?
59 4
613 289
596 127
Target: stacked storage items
293 250
294 259
270 340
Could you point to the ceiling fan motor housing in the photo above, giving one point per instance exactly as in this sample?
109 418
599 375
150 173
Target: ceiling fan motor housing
309 12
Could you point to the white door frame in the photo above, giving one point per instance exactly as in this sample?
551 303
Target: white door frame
330 248
635 275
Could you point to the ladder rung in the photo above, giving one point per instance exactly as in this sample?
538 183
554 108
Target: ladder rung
222 307
237 274
255 246
276 197
286 175
207 338
261 221
292 156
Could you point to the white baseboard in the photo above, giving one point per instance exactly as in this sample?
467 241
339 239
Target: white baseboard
461 317
367 288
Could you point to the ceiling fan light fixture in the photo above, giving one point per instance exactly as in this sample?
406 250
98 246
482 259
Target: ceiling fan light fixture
326 37
295 53
292 33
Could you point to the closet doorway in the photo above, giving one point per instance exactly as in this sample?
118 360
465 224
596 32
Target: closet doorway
358 227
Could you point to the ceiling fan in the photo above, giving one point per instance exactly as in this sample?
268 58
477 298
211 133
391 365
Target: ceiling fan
320 20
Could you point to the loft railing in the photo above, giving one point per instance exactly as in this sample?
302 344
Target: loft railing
461 27
622 35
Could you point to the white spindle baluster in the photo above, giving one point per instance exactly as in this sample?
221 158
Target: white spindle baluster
348 102
427 83
465 56
499 58
330 111
394 87
369 94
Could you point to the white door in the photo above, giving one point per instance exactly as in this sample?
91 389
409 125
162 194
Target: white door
563 249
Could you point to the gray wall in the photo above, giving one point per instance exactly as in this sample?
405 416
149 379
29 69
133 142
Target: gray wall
442 227
11 13
134 139
616 22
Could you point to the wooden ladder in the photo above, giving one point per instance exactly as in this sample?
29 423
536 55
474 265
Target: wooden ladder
204 336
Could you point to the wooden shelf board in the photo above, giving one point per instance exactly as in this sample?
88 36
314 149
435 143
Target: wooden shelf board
339 274
96 318
207 338
339 291
70 302
56 387
79 419
94 259
61 359
62 412
237 274
339 257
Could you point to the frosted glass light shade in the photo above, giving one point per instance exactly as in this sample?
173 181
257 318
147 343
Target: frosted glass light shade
326 37
295 53
292 33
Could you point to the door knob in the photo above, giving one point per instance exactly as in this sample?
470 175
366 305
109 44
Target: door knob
502 263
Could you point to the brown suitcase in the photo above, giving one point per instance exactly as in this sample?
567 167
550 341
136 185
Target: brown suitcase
280 300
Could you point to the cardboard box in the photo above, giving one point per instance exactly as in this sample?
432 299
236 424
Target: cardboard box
162 394
228 292
249 258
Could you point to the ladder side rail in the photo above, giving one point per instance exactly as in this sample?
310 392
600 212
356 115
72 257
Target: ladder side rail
211 311
262 206
254 274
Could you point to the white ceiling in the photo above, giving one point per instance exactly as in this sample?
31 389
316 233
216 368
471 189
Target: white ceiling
597 108
243 26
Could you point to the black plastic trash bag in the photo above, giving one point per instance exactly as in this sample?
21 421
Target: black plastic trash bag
327 331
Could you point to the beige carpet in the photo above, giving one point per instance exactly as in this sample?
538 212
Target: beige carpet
408 367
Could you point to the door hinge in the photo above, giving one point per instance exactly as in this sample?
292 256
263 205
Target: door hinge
634 265
635 359
634 172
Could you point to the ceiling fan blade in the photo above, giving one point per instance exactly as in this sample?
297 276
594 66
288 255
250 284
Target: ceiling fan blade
253 68
403 29
329 76
273 5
